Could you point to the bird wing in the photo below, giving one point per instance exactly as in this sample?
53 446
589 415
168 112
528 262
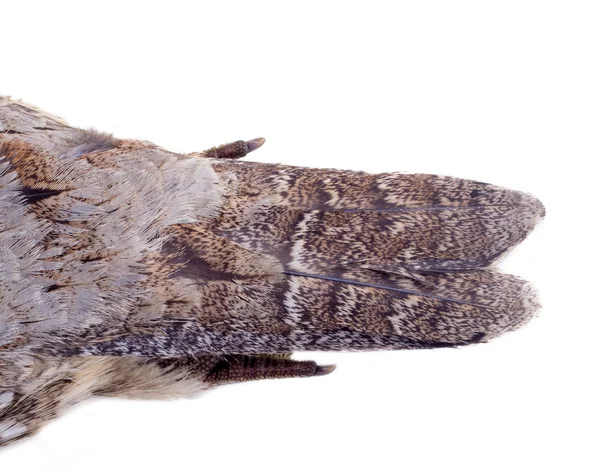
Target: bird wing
146 252
314 259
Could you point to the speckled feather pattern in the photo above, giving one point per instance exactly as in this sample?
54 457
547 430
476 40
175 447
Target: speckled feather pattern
128 270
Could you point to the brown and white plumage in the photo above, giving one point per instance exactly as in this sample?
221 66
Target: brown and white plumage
128 270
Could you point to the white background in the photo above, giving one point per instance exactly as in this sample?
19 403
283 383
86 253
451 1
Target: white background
504 92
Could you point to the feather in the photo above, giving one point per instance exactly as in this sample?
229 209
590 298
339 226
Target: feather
128 270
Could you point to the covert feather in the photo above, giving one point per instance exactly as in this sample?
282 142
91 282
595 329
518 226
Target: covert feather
127 270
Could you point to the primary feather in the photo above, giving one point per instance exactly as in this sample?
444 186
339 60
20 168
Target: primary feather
128 270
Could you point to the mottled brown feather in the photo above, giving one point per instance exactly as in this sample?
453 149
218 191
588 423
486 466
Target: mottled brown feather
128 270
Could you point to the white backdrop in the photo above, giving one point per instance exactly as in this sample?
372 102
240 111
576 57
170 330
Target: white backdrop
504 92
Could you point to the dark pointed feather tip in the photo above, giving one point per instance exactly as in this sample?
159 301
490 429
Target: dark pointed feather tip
324 370
254 144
